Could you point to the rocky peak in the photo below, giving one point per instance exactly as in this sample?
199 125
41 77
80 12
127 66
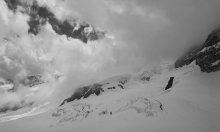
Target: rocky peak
207 57
213 38
40 15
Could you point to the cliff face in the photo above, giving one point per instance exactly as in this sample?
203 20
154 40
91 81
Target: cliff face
207 57
40 15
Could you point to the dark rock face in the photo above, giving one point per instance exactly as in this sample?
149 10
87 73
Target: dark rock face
84 92
40 15
207 57
187 59
97 89
33 80
170 83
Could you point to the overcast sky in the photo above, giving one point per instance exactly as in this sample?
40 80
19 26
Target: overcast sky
140 33
150 30
152 25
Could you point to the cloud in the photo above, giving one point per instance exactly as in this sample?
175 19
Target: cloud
11 22
162 28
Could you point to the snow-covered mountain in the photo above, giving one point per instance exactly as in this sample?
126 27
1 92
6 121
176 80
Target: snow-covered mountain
182 96
115 95
163 94
207 57
133 103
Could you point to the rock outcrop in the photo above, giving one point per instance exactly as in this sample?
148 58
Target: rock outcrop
33 80
206 57
112 84
84 92
170 83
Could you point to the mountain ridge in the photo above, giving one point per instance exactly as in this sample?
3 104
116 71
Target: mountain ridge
40 15
207 56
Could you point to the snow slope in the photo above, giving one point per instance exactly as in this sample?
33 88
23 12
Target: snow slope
191 105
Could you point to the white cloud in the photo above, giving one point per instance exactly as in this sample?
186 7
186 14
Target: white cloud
12 22
4 12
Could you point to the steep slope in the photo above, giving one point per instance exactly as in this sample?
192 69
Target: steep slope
116 95
146 105
191 104
207 57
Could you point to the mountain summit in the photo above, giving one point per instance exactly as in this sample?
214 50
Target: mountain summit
40 15
206 57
